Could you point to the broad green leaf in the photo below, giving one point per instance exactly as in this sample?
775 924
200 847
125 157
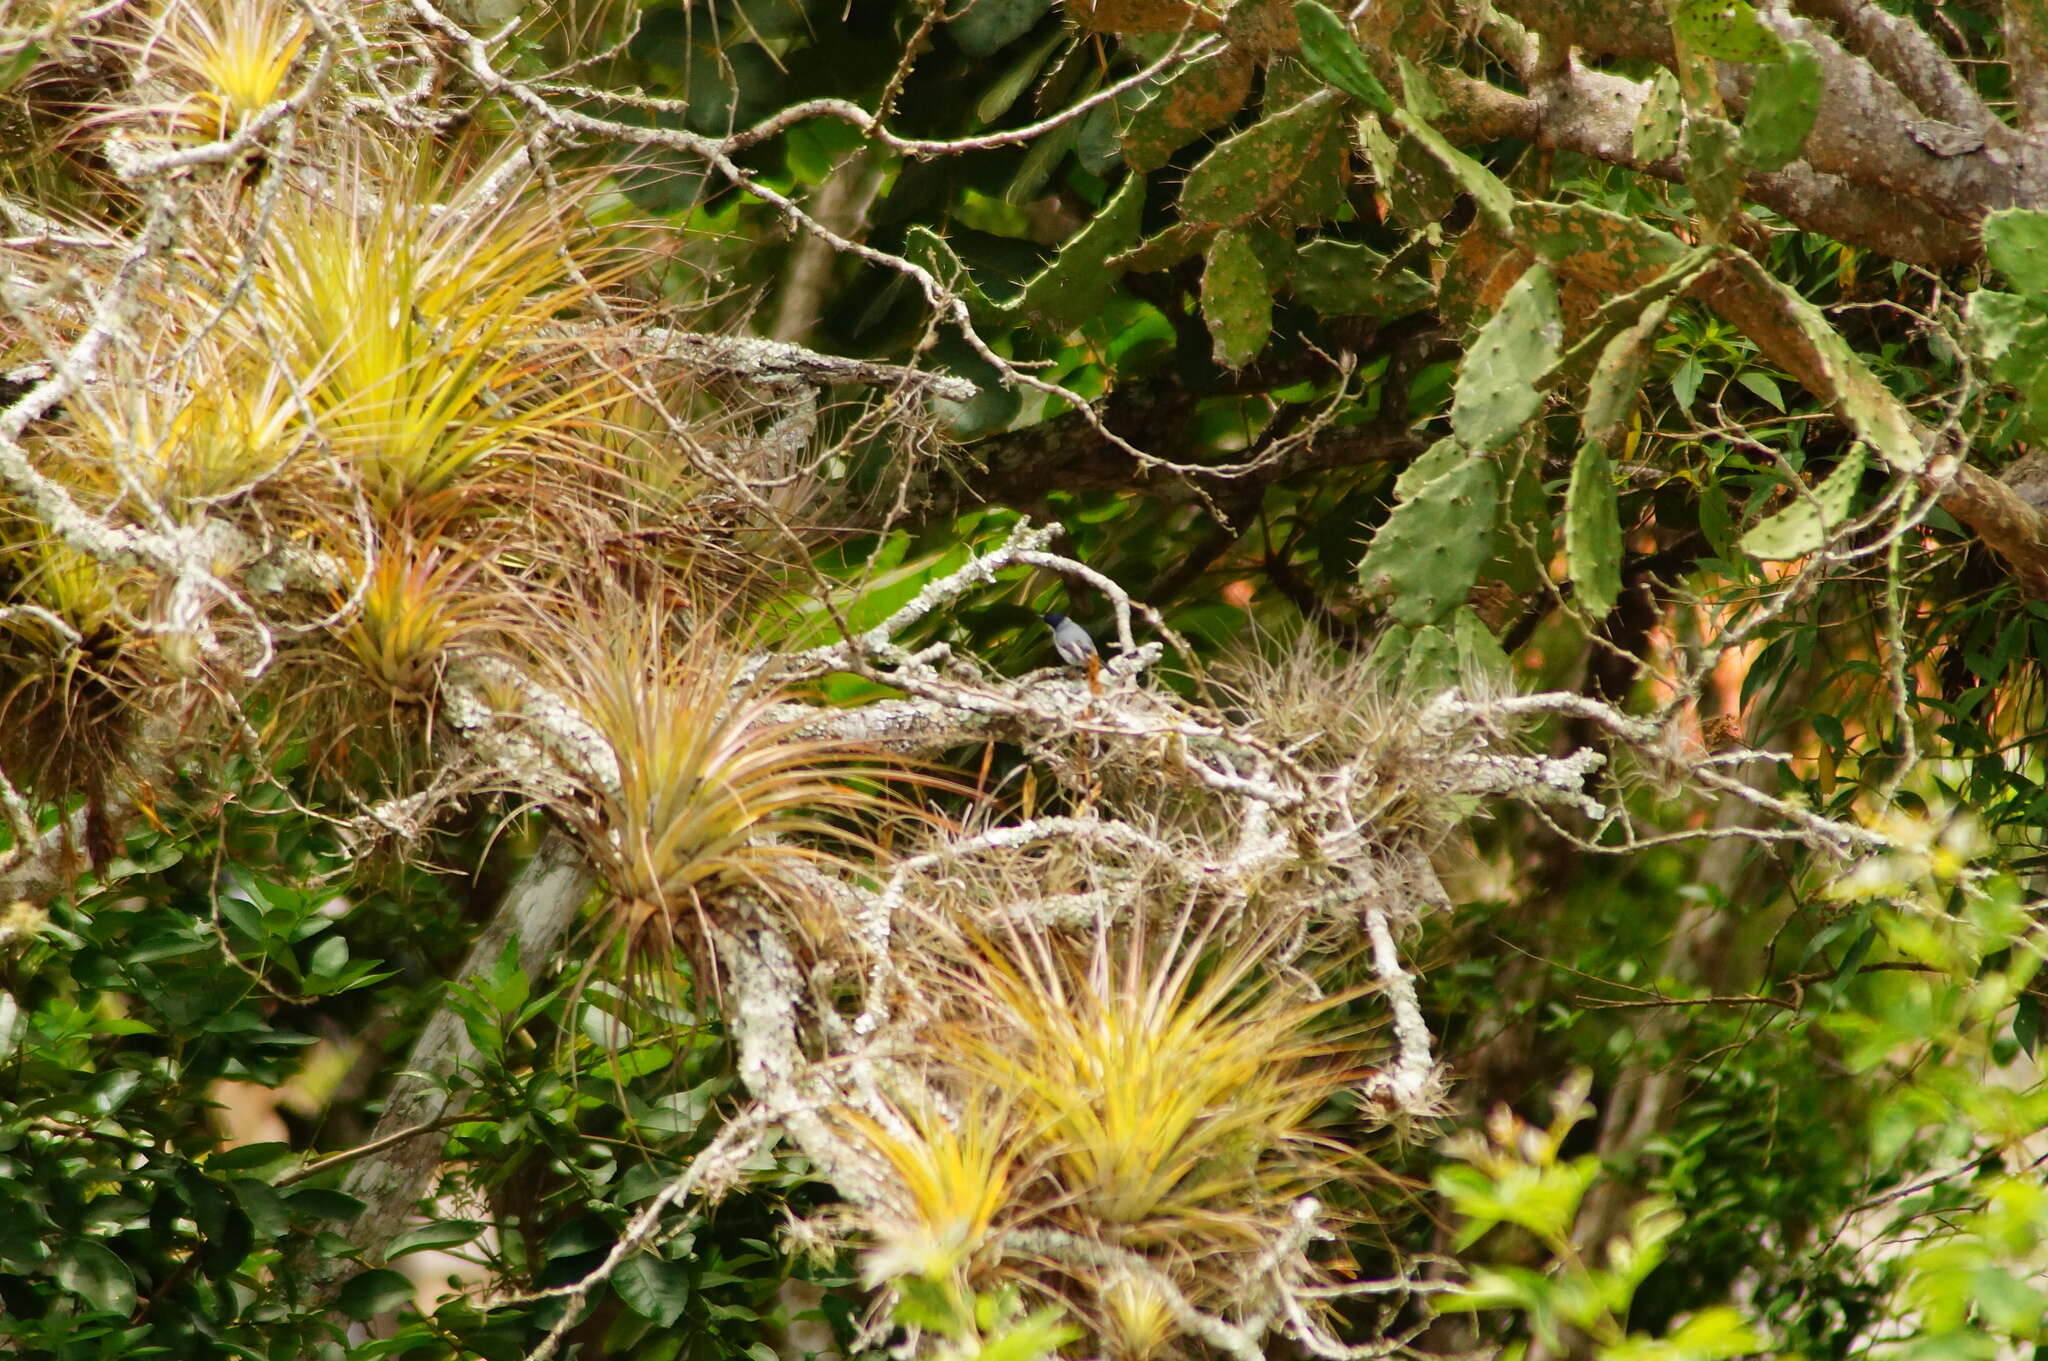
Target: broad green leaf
374 1292
1592 530
1618 376
654 1288
1340 279
320 1202
1878 417
1726 30
1332 53
1783 104
442 1233
1656 130
1764 386
1075 285
1480 658
1712 171
1803 526
89 1270
985 25
1429 665
20 64
1237 302
1497 386
1418 189
1496 201
2016 242
1426 556
1199 96
1248 173
1003 91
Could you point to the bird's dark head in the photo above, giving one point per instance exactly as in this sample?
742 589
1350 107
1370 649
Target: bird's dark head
1055 618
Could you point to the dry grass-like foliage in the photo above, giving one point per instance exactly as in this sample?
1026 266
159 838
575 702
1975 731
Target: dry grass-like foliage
1157 1092
713 795
417 610
954 1176
227 59
423 324
1345 714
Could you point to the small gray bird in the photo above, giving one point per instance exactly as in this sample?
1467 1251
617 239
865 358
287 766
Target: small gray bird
1071 641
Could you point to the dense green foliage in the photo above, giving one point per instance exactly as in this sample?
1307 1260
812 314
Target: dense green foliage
1567 349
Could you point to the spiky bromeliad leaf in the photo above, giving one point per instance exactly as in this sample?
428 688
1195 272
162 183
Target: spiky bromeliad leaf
1497 388
1428 553
1332 53
1804 526
1783 105
1254 169
1237 303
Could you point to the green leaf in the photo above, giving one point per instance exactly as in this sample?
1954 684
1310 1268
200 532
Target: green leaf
653 1287
1237 303
1248 173
87 1269
442 1233
1804 525
1726 30
1783 104
1712 171
1426 556
1480 658
20 64
1077 283
319 1202
2016 243
1656 130
1763 385
1618 375
374 1292
1418 190
1497 387
2026 1023
1592 530
1878 417
1332 53
1040 1335
1496 201
1340 279
1001 92
985 25
245 1157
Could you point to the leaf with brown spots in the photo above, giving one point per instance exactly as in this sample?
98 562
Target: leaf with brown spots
1199 96
1249 173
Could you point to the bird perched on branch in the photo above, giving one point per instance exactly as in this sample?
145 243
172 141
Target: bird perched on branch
1075 647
